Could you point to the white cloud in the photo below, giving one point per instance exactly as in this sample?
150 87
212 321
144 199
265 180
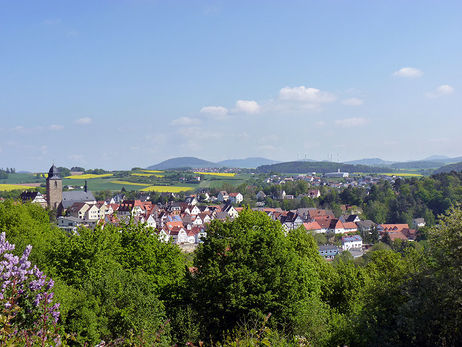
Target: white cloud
215 111
247 106
185 121
320 123
408 72
351 122
305 94
56 127
353 102
444 89
83 121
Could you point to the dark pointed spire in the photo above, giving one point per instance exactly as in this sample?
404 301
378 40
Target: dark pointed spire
53 173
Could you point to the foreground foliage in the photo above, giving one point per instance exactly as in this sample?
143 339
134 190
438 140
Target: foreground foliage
249 283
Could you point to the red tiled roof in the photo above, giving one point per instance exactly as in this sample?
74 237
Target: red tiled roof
312 226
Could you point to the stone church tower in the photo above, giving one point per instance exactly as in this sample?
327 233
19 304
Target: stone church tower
54 188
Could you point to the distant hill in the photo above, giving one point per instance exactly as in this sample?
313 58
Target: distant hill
420 164
436 157
318 167
370 162
248 163
443 159
448 168
182 162
192 162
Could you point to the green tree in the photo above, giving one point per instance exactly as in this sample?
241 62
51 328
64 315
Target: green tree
247 269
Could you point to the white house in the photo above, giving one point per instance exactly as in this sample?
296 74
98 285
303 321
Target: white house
222 196
236 198
352 242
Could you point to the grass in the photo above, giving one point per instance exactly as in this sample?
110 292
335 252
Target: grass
9 187
166 189
87 176
146 174
221 174
130 183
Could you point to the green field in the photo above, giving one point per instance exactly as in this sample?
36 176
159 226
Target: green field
130 180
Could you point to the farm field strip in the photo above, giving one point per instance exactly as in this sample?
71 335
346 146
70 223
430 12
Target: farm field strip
130 183
221 174
153 171
401 174
146 174
166 189
88 176
9 187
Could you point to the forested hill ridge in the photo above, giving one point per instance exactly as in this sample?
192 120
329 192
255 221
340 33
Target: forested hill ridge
318 167
457 167
182 162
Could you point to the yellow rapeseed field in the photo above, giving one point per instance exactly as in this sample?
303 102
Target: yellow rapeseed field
146 174
8 187
130 183
87 176
165 189
222 174
152 171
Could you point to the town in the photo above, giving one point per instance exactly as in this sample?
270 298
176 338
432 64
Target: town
184 221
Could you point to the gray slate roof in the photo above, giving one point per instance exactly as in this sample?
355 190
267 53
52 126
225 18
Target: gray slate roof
69 198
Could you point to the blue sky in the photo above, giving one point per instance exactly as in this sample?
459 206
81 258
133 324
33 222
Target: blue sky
118 84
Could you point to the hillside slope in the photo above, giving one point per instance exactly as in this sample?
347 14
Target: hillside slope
182 162
318 167
448 168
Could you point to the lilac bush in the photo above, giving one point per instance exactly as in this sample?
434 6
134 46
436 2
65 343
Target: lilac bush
27 311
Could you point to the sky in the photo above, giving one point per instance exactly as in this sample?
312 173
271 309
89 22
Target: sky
118 84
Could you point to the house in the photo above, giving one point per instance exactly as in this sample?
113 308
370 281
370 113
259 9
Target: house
290 221
151 221
313 226
352 242
92 213
261 195
314 193
223 196
235 198
336 226
391 227
316 212
418 223
70 224
324 222
34 198
350 227
78 210
191 200
328 252
178 234
365 225
231 211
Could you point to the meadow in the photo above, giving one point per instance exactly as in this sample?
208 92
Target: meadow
87 176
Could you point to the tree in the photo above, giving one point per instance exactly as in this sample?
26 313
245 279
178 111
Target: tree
248 268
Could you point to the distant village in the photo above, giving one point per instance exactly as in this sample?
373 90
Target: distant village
185 222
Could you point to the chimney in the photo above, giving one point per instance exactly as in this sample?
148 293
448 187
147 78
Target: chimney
86 187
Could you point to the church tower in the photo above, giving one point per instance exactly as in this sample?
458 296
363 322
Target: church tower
54 188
